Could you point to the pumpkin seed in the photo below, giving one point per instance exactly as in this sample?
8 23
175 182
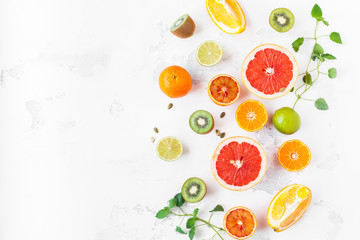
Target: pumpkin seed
152 139
222 115
170 105
222 134
217 132
156 130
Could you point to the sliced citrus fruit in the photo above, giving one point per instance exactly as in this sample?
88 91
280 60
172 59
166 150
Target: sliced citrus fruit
269 71
223 89
240 222
294 155
227 15
251 115
288 206
238 163
209 53
169 148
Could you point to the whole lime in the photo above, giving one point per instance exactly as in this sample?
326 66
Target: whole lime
286 120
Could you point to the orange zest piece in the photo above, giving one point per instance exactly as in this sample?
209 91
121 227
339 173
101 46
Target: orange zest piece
294 155
227 15
251 115
240 223
288 206
223 89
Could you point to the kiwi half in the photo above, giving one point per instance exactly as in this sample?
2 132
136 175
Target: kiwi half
281 19
193 190
201 122
183 27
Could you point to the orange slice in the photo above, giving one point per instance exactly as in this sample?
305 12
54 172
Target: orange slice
223 89
251 115
227 15
240 222
288 206
294 155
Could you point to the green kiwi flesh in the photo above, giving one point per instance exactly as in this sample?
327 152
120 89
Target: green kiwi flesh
193 190
183 27
281 19
201 122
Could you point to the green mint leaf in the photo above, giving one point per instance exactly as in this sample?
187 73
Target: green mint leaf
218 208
179 230
196 210
316 12
192 233
179 200
314 56
292 89
190 222
332 73
335 37
172 202
307 79
297 43
325 22
321 104
318 49
328 56
163 213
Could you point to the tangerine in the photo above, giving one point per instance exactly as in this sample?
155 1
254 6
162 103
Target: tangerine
175 81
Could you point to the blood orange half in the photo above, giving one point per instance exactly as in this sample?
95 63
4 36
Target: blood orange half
238 163
223 89
269 71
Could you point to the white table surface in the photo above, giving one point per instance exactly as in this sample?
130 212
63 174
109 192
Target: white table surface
79 98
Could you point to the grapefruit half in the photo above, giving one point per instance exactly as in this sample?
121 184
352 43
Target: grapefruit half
238 163
269 71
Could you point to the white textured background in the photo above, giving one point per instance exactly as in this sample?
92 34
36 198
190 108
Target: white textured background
79 98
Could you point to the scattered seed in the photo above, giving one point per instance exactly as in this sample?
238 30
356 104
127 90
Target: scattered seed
222 115
152 139
170 105
156 130
217 132
222 134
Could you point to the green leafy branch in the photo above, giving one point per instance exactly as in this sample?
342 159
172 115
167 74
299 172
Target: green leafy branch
318 56
193 221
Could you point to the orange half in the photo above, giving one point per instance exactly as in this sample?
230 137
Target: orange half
240 223
251 115
294 155
227 15
223 89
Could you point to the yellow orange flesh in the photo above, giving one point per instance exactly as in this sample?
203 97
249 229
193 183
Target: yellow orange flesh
240 223
251 115
227 15
288 206
223 90
294 155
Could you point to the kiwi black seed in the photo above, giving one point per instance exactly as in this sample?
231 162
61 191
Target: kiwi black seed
201 122
281 19
193 190
183 27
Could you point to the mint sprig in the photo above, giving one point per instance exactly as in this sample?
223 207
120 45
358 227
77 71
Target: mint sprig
317 57
192 219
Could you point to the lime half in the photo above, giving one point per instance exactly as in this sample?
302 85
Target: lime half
169 148
209 53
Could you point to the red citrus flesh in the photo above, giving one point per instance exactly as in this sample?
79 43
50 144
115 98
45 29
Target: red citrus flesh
223 89
240 223
238 163
270 71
